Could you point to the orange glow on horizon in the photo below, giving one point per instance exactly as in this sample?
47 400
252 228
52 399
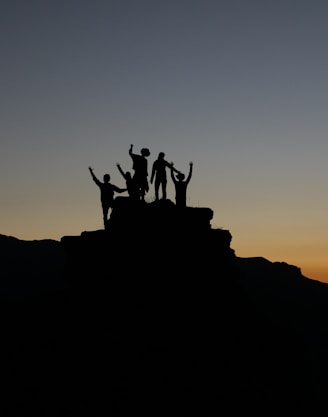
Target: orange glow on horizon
317 273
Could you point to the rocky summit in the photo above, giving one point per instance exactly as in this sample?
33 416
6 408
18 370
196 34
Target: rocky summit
155 314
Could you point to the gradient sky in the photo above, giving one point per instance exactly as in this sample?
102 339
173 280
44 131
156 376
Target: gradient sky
239 87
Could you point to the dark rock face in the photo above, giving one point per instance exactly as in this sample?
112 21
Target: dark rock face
160 281
182 333
156 317
147 243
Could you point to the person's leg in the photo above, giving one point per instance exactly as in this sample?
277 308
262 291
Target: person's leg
142 191
105 209
142 194
157 184
144 188
164 189
138 187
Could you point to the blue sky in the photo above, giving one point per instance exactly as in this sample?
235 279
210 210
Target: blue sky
237 87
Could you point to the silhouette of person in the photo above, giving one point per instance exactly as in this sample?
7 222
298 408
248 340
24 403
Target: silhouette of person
130 183
107 191
181 187
159 173
140 167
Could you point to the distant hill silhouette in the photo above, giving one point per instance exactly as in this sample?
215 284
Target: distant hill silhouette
157 313
30 267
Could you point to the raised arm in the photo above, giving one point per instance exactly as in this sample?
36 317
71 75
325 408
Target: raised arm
131 150
172 167
190 172
95 179
121 170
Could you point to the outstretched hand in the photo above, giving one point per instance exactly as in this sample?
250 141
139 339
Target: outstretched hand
172 167
90 169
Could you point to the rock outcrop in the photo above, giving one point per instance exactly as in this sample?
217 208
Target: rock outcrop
156 315
181 332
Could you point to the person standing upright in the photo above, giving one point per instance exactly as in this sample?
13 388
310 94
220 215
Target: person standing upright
140 167
107 190
159 174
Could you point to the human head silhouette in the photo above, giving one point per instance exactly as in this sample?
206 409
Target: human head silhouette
106 178
145 152
161 155
180 176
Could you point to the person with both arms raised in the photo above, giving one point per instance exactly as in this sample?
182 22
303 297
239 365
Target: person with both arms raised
107 191
181 187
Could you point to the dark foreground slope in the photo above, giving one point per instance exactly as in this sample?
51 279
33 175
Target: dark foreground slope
153 317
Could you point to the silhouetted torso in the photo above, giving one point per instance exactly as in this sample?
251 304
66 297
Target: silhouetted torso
140 167
159 173
107 191
130 182
181 187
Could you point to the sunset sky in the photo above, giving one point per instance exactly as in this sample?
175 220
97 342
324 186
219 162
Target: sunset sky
239 87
